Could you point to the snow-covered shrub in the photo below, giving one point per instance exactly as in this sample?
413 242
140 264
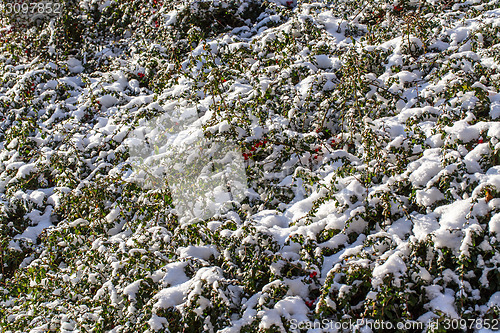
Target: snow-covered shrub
369 133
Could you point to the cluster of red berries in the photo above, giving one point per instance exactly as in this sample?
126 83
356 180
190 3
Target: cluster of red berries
310 303
315 156
141 75
246 156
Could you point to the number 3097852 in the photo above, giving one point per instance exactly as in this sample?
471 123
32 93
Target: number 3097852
30 8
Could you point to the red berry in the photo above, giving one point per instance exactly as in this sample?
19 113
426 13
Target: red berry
480 140
313 274
309 303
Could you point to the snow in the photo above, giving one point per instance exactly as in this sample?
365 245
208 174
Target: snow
323 61
495 105
428 197
494 299
424 225
40 222
200 252
174 295
78 222
113 214
75 65
426 169
37 197
132 289
107 100
393 265
174 274
156 323
26 170
444 302
350 179
494 224
292 306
